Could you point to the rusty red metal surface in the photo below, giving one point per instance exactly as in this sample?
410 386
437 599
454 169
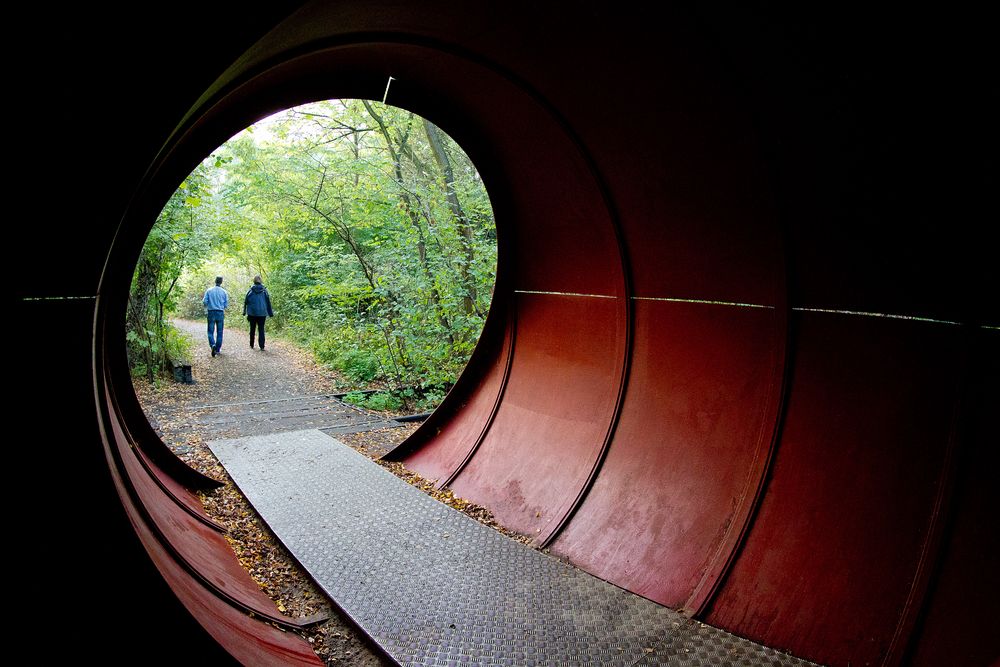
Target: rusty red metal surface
952 630
181 494
177 492
453 442
153 451
698 423
825 487
856 481
530 470
195 545
248 640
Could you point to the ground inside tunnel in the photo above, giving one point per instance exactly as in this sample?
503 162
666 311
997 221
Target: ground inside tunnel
434 587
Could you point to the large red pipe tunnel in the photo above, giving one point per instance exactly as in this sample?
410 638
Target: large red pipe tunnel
742 357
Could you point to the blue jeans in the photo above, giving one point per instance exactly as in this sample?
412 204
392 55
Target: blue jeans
216 320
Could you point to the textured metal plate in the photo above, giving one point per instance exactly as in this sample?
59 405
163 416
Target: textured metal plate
434 587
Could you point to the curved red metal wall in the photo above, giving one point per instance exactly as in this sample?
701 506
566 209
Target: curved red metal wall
687 384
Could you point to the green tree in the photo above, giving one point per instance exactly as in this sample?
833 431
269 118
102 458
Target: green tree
181 238
369 224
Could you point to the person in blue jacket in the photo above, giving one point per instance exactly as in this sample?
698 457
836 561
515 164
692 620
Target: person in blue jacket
257 308
216 299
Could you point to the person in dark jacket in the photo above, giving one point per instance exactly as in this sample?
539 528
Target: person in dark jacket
257 308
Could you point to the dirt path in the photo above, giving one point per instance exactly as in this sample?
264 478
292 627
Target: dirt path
245 391
241 375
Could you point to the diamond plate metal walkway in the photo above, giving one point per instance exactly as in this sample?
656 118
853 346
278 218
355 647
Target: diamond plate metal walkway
435 587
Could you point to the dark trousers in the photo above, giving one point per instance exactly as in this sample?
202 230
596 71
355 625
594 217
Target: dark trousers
257 321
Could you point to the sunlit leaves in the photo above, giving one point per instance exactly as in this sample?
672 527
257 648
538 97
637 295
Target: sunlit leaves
349 223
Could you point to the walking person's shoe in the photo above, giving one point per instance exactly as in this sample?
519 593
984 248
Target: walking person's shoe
214 352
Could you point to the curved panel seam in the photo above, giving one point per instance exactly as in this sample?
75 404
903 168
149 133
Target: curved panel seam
932 548
752 494
464 385
200 517
608 438
141 458
628 345
718 568
508 362
175 553
105 415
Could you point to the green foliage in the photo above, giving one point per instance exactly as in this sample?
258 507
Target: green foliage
431 398
371 228
162 345
181 238
355 398
359 364
382 401
178 346
411 399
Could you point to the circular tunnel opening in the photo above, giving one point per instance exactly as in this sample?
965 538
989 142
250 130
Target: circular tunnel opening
358 233
152 482
357 239
546 417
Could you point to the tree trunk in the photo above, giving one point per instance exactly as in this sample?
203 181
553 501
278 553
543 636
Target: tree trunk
137 315
461 219
413 216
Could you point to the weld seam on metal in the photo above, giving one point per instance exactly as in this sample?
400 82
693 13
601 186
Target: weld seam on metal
58 298
889 316
592 296
745 512
705 301
501 391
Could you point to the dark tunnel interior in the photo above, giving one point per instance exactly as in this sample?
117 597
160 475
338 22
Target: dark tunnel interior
743 357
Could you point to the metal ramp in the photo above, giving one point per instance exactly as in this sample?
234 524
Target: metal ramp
434 587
